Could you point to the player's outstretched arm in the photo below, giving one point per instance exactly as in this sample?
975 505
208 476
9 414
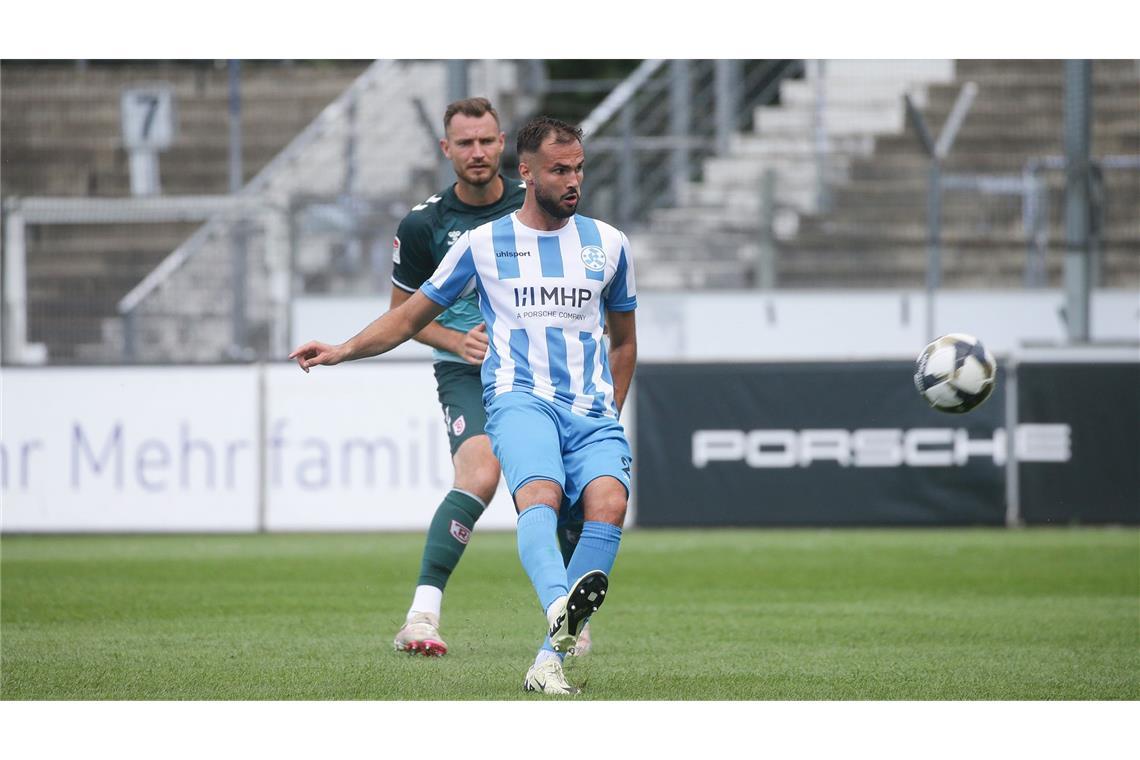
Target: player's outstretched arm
623 351
471 345
384 334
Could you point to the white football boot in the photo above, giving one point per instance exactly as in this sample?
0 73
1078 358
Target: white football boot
547 677
420 635
568 614
584 643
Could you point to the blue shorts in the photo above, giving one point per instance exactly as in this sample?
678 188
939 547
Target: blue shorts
534 439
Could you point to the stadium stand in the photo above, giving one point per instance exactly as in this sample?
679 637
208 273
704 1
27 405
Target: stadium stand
825 188
872 232
61 136
334 154
335 193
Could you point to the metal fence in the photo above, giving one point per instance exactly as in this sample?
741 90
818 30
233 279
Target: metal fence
648 138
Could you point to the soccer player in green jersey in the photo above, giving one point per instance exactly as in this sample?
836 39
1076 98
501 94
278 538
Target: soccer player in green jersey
473 141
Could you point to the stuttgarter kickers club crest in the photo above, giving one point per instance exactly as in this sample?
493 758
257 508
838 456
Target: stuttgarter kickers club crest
459 425
594 258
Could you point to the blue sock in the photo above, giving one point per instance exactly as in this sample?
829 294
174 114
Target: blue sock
597 549
539 553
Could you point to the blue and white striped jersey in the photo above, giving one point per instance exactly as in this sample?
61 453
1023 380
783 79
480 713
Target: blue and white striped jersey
544 296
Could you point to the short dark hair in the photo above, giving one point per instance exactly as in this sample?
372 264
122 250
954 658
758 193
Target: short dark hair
473 107
534 132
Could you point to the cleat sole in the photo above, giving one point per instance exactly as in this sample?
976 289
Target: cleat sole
425 648
593 587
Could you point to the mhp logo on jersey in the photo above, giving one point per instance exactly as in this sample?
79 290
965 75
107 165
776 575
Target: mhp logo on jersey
556 296
461 532
594 258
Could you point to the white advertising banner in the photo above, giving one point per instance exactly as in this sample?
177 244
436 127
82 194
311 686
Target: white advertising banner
129 449
360 446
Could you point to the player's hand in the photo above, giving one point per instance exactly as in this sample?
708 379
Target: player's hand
475 344
313 353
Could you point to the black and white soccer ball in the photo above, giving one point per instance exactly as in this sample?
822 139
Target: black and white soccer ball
955 373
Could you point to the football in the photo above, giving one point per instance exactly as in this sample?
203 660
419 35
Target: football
955 373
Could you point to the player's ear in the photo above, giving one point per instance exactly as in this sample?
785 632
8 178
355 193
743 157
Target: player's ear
443 145
524 171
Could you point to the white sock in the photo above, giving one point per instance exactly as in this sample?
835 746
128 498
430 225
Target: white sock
427 599
546 654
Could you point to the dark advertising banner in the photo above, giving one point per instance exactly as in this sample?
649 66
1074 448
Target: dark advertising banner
1100 406
845 443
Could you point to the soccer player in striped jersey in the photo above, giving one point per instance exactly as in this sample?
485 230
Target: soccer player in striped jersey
549 281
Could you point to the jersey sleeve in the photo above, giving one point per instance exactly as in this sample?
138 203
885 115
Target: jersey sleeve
412 262
455 275
621 292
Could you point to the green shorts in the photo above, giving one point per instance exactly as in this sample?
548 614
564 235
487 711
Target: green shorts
461 396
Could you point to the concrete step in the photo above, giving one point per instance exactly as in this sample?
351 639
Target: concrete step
701 220
745 196
909 165
799 145
743 170
858 92
1021 98
118 242
83 108
1029 70
883 70
837 119
186 81
1028 145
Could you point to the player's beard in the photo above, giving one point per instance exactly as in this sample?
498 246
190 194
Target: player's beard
490 176
553 205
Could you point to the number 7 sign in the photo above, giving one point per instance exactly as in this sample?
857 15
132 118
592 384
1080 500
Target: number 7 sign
148 118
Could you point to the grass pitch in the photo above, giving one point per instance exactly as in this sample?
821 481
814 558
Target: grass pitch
1040 614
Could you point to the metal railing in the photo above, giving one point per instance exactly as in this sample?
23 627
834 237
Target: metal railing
337 111
647 138
1033 188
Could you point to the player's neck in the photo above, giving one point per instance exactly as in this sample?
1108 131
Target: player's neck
479 195
532 215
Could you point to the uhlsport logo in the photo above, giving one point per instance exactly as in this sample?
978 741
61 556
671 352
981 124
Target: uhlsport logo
594 258
461 532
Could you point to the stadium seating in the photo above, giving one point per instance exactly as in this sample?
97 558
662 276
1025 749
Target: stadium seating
873 233
307 225
61 136
850 215
334 153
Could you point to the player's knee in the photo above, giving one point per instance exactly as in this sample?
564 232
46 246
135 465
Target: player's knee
538 492
610 508
478 475
482 481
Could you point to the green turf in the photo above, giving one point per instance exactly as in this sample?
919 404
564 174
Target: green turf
741 614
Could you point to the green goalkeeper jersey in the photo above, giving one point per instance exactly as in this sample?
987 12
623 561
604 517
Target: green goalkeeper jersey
425 235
